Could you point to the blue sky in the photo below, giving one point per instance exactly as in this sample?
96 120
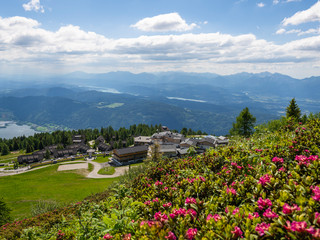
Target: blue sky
220 36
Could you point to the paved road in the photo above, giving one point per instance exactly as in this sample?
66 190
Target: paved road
97 166
94 174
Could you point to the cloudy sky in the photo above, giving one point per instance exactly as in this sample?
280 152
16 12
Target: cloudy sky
219 36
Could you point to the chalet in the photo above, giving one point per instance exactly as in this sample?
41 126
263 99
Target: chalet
142 140
206 143
81 148
125 155
30 158
168 150
168 137
100 139
104 147
189 142
220 142
77 139
64 153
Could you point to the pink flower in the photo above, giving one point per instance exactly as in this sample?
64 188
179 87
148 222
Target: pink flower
202 179
236 210
171 236
190 201
261 228
316 192
226 210
299 227
231 190
191 233
157 183
269 214
276 159
161 217
287 209
316 233
237 232
167 205
192 212
107 236
317 217
155 200
127 237
179 212
262 203
216 217
282 169
254 215
265 179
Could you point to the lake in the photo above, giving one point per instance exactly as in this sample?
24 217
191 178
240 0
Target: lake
12 130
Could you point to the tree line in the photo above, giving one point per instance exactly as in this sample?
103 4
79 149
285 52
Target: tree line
120 138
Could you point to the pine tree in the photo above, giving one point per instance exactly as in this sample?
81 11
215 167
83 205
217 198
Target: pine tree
244 124
4 149
293 111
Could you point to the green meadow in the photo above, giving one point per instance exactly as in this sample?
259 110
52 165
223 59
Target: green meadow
22 191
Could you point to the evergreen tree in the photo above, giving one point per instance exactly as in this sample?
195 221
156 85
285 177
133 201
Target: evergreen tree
47 155
4 213
244 124
4 149
293 111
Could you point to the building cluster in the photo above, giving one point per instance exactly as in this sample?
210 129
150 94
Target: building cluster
78 146
171 144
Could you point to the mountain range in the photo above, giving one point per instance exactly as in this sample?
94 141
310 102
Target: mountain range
201 101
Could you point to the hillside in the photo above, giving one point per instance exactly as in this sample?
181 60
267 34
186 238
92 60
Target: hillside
265 187
93 109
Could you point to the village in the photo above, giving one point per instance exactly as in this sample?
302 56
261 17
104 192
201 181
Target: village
171 145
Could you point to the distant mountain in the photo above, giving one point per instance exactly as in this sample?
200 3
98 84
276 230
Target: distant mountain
204 101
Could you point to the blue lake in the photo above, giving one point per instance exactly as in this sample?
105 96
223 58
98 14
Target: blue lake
12 130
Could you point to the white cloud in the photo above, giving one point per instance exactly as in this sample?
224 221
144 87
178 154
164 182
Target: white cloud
281 31
164 23
275 2
310 15
23 42
309 31
33 5
261 4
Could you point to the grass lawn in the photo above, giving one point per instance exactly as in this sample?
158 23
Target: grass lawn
21 191
102 159
107 171
10 157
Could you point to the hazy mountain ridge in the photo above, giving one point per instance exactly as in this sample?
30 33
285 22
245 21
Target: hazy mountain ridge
208 102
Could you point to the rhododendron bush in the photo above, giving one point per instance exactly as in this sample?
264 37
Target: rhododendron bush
266 187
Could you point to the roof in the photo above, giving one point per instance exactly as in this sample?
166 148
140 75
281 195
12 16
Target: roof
183 151
129 150
209 140
168 148
143 139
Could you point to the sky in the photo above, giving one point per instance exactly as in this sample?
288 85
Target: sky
218 36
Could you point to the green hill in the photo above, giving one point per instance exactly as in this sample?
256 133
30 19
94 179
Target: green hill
265 187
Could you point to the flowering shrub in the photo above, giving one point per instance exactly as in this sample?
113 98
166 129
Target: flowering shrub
266 187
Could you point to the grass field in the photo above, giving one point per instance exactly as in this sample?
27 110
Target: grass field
21 191
10 157
107 171
102 159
